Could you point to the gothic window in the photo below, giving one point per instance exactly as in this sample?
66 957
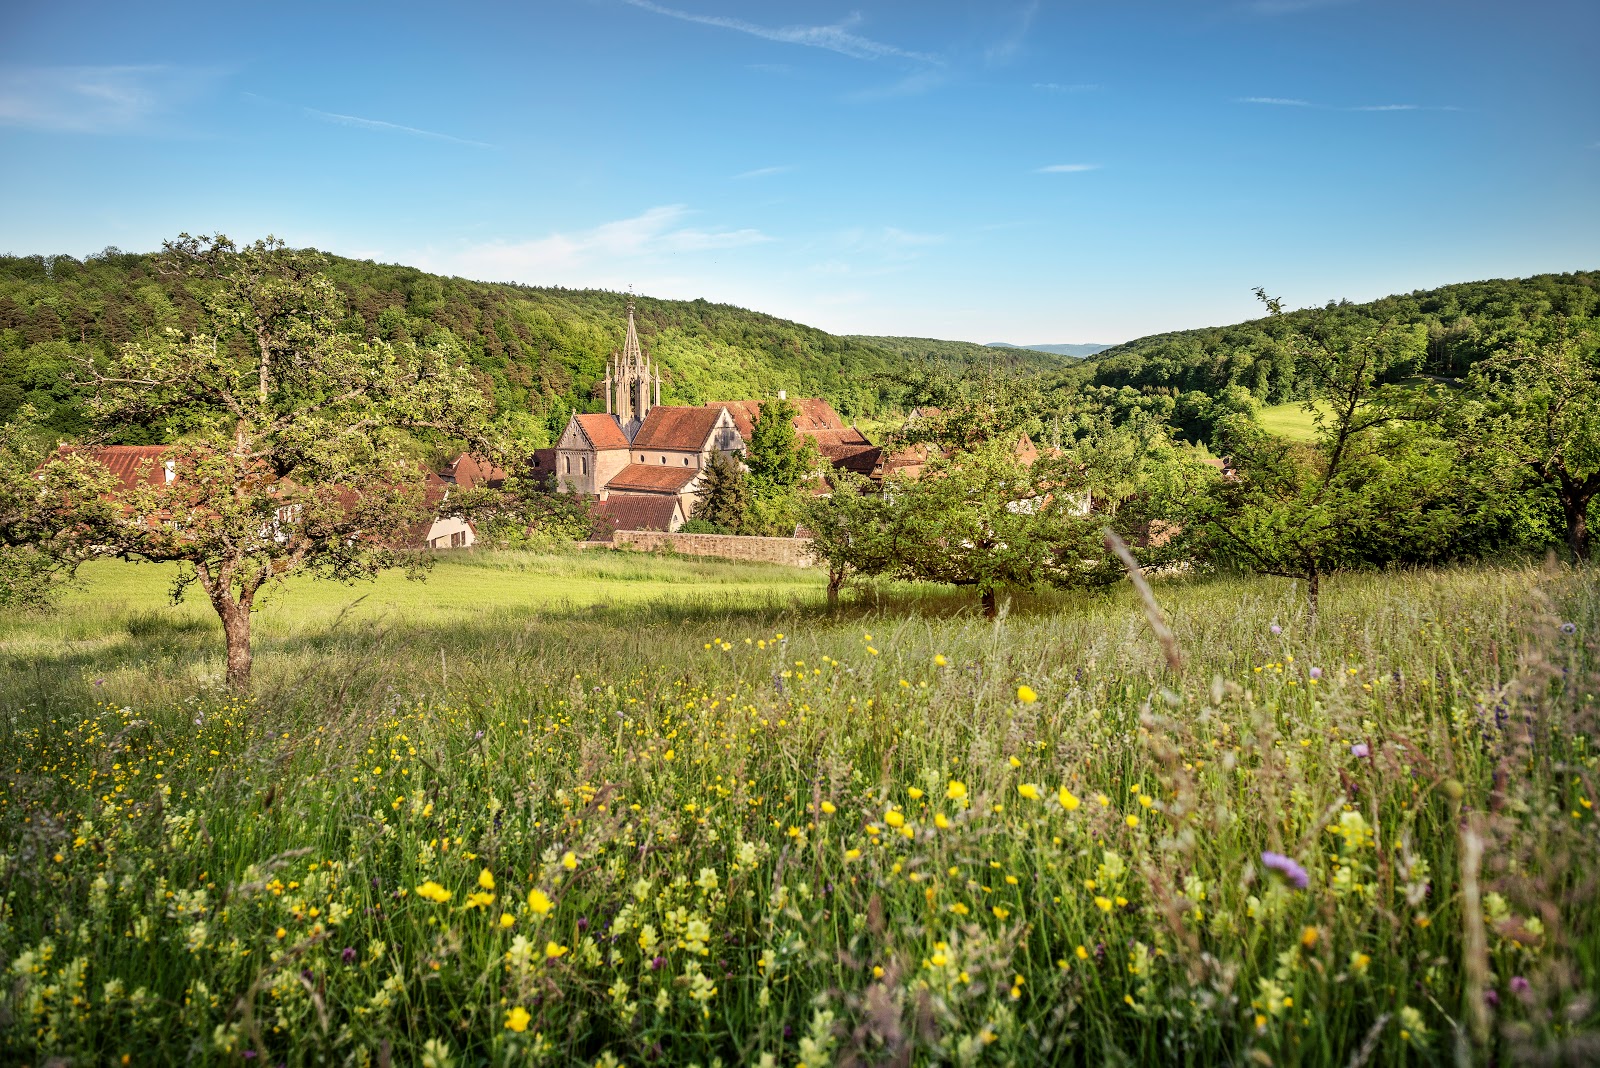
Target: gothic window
585 464
569 465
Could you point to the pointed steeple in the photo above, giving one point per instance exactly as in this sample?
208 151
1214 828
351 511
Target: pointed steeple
632 355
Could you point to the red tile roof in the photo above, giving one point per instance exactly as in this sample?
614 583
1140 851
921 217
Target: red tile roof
674 427
862 459
815 414
469 472
648 478
602 431
133 465
826 439
633 511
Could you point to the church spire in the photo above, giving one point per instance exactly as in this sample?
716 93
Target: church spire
631 353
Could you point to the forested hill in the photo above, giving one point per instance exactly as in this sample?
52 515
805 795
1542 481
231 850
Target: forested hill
1464 322
542 351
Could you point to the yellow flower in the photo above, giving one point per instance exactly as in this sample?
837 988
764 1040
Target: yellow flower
941 821
940 661
1308 936
1102 799
828 808
479 900
1083 954
282 932
956 790
517 1020
1028 790
1132 820
894 818
1000 913
1026 695
569 860
937 960
852 854
915 793
668 755
507 920
552 950
1014 762
434 892
1103 904
1067 799
1359 962
540 902
486 879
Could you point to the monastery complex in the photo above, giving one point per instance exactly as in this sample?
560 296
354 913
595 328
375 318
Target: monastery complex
643 461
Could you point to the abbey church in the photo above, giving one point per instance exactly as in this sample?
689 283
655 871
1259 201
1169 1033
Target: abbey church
644 460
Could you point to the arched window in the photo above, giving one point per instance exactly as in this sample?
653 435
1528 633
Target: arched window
585 463
663 458
569 465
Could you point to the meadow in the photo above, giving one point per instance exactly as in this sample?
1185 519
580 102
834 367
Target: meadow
611 809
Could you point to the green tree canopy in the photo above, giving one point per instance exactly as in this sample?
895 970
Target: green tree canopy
289 457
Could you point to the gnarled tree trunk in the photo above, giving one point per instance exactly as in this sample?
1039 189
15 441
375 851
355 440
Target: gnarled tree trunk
234 612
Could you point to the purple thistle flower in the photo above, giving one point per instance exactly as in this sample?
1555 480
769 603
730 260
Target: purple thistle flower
1316 673
657 963
1569 628
348 956
1360 749
1519 985
1492 998
1276 629
1286 867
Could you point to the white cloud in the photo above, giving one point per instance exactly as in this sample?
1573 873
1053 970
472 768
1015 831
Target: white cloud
1067 168
565 258
835 38
1288 102
389 127
763 172
109 99
1005 49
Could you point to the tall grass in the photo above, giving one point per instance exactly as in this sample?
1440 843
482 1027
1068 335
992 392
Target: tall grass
746 831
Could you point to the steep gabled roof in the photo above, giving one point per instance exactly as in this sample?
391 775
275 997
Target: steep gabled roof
684 429
650 478
602 431
634 511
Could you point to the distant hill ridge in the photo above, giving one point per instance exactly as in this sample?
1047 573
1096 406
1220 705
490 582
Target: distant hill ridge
1078 350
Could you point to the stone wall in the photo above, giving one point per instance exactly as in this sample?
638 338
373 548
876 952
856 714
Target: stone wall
789 551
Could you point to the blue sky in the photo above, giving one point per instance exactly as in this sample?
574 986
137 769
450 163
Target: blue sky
1021 171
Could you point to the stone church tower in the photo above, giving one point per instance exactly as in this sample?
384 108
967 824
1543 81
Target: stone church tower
633 384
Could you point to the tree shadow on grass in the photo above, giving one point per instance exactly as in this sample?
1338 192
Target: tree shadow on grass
145 656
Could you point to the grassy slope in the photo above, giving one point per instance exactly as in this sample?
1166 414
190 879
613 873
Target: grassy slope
437 743
1288 420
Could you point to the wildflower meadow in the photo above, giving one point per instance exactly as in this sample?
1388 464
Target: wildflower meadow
747 830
